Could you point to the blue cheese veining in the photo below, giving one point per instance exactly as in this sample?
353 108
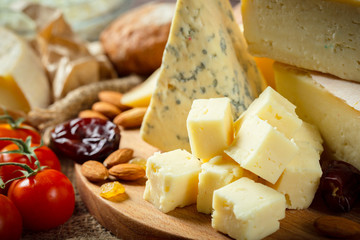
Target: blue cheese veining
205 57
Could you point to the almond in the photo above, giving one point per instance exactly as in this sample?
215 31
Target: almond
127 171
122 155
112 97
107 109
337 227
91 114
131 118
94 171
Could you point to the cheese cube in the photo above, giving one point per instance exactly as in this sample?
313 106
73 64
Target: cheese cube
261 149
172 179
247 210
216 173
277 110
301 176
210 127
315 34
331 104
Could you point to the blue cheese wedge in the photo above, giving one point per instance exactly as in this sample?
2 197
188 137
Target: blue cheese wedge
205 57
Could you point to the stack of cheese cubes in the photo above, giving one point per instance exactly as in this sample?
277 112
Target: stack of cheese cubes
319 41
247 172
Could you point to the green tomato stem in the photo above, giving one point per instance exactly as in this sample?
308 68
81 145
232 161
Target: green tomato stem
25 149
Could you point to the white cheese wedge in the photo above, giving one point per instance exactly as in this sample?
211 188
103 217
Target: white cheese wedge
261 149
205 57
140 95
247 210
327 102
172 179
210 127
301 176
24 84
276 110
216 173
312 34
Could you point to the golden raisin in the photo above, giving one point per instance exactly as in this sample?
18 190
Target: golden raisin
111 190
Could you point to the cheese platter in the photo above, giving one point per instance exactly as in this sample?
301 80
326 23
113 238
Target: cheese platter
134 218
230 137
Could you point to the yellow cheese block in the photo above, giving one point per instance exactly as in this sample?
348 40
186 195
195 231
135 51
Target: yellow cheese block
216 173
301 177
140 96
262 149
327 102
321 35
247 210
23 83
172 179
210 127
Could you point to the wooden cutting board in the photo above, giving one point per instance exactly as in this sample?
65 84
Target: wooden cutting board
134 218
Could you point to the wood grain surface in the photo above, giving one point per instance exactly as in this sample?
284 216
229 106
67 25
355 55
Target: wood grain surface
134 218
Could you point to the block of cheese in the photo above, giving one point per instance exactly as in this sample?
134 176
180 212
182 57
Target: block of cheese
247 210
172 179
330 104
216 173
205 57
276 110
301 176
140 95
24 84
210 127
262 149
315 34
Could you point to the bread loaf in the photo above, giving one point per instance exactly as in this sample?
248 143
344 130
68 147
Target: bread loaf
135 41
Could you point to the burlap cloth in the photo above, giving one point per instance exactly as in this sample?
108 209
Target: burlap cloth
80 226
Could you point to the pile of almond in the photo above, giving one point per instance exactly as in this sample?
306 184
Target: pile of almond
120 165
109 107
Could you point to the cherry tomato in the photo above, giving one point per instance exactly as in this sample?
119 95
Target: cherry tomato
45 155
21 132
10 220
45 200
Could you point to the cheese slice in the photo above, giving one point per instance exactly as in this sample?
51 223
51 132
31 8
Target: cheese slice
312 34
140 95
327 102
205 57
24 84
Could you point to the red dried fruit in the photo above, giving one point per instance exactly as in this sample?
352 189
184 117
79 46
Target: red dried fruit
85 139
